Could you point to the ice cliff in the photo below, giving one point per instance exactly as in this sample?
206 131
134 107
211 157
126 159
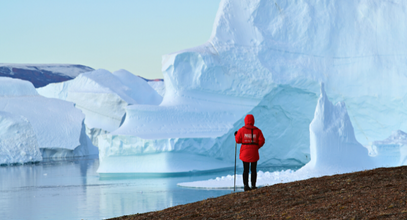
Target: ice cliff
257 48
333 146
31 123
18 143
392 151
357 48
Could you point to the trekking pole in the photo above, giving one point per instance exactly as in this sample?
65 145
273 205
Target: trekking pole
234 186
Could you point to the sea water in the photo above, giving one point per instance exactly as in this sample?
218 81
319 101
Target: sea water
72 189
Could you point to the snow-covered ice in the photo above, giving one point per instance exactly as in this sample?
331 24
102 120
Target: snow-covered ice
158 86
392 151
258 48
103 96
56 123
140 91
264 58
14 87
18 143
358 51
34 122
263 179
333 147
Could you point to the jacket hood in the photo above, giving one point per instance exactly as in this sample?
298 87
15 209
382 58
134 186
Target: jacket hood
249 120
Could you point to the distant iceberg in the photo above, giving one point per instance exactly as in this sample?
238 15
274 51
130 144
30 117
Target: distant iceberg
42 74
32 123
103 96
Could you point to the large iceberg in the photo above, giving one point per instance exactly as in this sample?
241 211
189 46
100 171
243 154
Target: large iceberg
257 47
32 123
333 146
357 48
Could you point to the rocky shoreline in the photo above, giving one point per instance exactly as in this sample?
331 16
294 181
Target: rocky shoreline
372 194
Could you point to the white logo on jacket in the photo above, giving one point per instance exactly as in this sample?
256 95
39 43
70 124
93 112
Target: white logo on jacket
250 136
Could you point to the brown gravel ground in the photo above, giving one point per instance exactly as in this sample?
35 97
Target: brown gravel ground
373 194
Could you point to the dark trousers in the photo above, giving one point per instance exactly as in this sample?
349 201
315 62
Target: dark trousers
246 173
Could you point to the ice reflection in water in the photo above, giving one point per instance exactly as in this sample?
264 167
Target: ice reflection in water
71 189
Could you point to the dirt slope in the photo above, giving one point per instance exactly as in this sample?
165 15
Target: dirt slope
372 194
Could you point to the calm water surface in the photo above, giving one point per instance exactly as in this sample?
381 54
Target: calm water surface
72 189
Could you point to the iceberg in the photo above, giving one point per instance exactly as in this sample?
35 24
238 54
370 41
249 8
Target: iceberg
333 146
18 143
42 74
357 51
103 96
283 121
391 151
158 86
34 123
355 47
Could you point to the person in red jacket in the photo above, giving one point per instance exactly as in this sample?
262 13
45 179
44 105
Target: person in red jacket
252 140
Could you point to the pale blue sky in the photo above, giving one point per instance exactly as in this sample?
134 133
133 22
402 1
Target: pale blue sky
122 34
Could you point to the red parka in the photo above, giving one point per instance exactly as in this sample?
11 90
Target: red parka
252 140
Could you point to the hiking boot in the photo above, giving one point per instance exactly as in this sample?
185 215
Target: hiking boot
247 188
254 187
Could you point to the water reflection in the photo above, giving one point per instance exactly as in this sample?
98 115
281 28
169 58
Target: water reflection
129 195
44 190
71 189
